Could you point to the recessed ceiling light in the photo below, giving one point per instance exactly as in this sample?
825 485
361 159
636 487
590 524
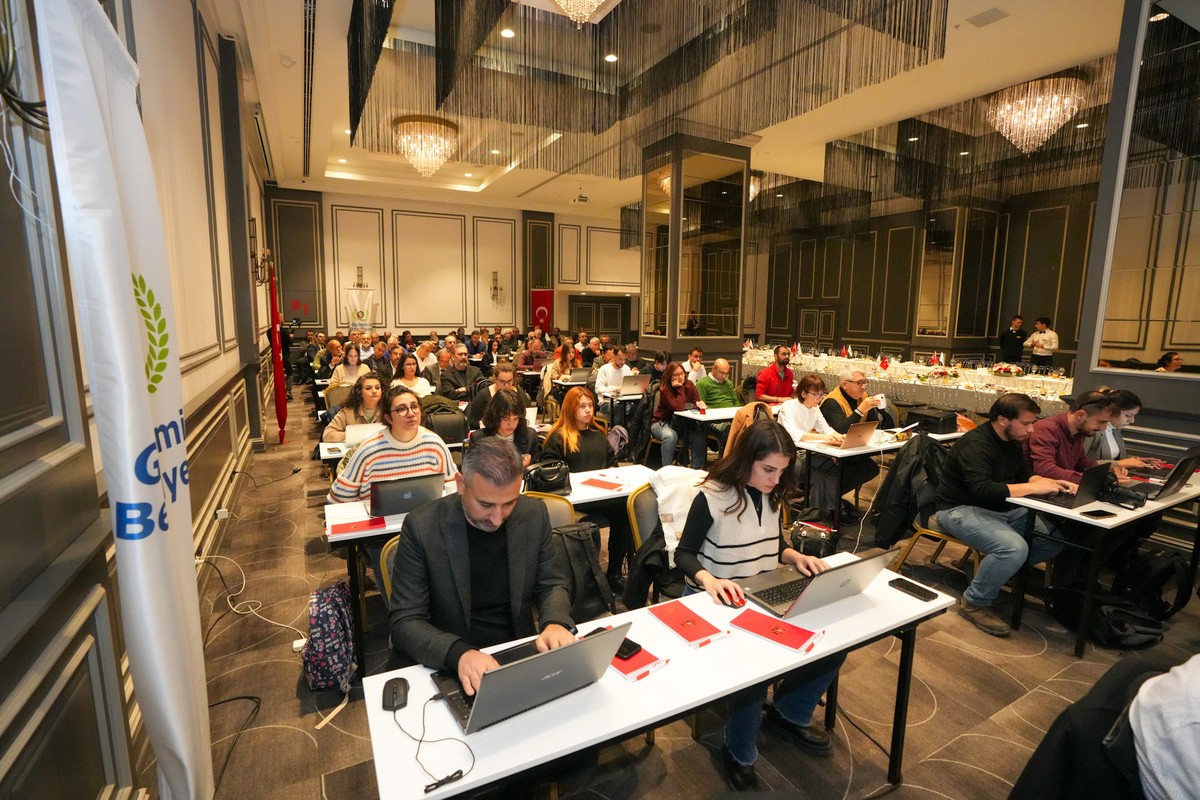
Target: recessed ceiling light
341 161
914 138
965 153
469 174
495 152
779 194
611 58
508 33
1159 17
1082 125
347 131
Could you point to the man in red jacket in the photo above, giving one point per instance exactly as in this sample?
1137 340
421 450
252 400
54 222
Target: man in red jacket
774 383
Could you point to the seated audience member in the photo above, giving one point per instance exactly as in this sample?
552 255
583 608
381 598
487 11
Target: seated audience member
846 405
609 377
732 533
774 383
1109 444
458 380
504 418
661 359
406 375
426 353
577 440
361 408
801 417
504 376
350 370
582 341
695 365
983 469
1136 733
677 393
492 355
633 359
510 563
1169 361
331 360
606 357
531 354
718 391
593 353
476 345
379 356
434 374
389 369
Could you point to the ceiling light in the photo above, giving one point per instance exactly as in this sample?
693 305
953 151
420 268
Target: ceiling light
611 58
965 153
664 183
755 186
914 138
427 142
779 194
508 33
1082 125
1029 114
347 131
579 10
469 174
341 161
495 152
1159 17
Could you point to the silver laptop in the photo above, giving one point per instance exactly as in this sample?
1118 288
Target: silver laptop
580 374
859 435
785 592
356 433
526 679
634 385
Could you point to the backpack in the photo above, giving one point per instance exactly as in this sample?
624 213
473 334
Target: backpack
328 655
1115 622
575 553
1148 579
437 404
618 440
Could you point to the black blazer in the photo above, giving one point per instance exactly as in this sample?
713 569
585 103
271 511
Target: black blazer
431 578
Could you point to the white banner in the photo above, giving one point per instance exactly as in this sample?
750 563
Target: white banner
118 264
361 302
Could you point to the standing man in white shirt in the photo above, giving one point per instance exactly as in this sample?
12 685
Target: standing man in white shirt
1043 341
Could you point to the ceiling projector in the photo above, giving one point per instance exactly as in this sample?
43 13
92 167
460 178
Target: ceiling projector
581 200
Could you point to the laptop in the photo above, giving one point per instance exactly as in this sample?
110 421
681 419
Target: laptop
580 374
786 593
859 435
1091 485
527 679
1178 478
633 385
404 494
356 433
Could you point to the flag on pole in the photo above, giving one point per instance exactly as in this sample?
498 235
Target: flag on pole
118 263
278 378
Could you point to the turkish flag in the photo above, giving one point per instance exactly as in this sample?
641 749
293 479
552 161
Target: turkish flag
541 307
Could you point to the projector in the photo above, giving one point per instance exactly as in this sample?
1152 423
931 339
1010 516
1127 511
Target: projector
581 200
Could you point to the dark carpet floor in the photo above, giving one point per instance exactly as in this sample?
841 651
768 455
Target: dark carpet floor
979 705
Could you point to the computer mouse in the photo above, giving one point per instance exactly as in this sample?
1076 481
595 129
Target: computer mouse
395 694
731 602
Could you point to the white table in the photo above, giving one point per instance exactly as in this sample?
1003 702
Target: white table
627 478
1120 516
614 709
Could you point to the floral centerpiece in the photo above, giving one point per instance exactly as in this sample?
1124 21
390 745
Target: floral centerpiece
1011 370
942 372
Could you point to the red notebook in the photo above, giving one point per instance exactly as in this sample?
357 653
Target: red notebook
357 527
695 629
776 630
639 665
600 483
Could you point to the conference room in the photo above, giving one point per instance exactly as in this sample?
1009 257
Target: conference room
939 202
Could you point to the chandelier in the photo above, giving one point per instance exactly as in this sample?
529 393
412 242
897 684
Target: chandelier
1029 114
427 142
580 11
664 183
755 186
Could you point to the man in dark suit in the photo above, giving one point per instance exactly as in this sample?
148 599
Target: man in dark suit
1012 341
459 378
471 568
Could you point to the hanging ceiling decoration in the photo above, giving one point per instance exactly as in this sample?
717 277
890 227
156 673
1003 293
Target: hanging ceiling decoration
755 185
427 142
1030 113
580 11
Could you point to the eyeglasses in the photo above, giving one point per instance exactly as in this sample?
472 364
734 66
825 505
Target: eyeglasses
858 383
412 409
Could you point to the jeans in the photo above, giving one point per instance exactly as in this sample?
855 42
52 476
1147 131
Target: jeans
999 535
668 434
795 699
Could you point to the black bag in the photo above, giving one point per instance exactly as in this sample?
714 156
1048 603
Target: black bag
579 563
450 426
1149 579
549 477
813 539
1115 621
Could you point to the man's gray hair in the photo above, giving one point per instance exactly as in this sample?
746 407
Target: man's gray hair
494 460
848 375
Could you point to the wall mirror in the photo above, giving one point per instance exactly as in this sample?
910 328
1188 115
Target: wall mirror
711 253
937 274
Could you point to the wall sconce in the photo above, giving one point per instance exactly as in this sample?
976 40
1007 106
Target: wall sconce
260 263
497 292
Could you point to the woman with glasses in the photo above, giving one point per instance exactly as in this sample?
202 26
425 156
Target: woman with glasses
505 417
361 408
801 416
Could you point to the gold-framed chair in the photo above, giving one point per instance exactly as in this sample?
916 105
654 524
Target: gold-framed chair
934 532
336 396
562 512
387 557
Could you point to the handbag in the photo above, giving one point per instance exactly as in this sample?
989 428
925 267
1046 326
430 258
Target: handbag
813 539
549 477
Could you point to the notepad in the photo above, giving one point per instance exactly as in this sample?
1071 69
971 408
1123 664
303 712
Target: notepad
639 665
357 527
690 626
602 484
776 630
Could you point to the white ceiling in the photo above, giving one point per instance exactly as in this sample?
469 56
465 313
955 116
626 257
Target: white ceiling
1035 38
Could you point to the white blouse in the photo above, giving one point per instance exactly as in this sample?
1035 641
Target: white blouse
422 387
798 419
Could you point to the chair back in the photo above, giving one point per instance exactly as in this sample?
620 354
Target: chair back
642 507
387 557
336 396
560 508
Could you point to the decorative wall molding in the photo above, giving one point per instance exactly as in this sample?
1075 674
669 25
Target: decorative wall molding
507 277
354 222
570 254
429 254
593 233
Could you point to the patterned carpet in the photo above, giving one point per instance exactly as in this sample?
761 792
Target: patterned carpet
979 705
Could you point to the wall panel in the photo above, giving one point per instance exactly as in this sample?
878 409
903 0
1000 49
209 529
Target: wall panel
430 260
570 254
494 252
605 261
357 241
901 259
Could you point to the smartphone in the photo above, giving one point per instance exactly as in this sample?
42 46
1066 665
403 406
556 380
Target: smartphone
908 587
1098 513
628 649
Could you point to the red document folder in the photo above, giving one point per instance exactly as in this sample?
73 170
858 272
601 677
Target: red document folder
357 527
695 629
773 629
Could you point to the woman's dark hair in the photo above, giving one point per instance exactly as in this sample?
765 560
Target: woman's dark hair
404 359
668 373
390 397
810 383
494 345
354 400
1124 399
1165 358
346 354
505 403
760 439
662 357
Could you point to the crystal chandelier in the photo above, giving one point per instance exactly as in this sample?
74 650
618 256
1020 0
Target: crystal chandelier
1029 114
580 11
755 186
664 183
427 142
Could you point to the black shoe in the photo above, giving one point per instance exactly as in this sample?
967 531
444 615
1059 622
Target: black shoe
812 738
741 778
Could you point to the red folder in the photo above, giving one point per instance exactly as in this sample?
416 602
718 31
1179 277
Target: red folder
693 628
773 629
356 527
602 484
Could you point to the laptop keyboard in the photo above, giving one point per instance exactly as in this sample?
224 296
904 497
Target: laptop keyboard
784 593
1062 499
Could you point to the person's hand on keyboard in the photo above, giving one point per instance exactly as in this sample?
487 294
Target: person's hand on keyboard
471 667
805 565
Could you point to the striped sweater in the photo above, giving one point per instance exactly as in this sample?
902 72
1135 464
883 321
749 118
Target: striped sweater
738 548
382 458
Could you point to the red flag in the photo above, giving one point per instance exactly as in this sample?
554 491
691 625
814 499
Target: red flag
541 308
277 362
844 351
933 360
884 363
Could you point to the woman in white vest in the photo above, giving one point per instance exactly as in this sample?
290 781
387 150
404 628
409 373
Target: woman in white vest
732 532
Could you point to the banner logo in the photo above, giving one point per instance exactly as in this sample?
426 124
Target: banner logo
156 332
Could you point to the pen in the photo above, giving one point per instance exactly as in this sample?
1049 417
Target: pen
817 637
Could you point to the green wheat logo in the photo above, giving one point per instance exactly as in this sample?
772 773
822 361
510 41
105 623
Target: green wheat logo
156 332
